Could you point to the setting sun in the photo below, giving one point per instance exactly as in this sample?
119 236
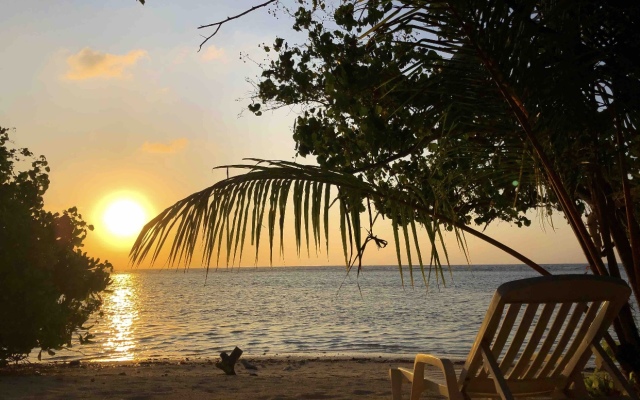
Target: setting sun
124 217
121 215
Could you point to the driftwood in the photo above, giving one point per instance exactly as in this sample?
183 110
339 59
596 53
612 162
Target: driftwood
227 362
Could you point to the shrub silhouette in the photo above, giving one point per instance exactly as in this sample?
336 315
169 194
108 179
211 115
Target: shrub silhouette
48 286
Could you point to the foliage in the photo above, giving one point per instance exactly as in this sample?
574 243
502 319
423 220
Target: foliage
599 382
477 110
48 286
486 109
361 113
223 212
482 111
347 127
415 104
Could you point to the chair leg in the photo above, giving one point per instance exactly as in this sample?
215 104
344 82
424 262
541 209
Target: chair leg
396 383
416 391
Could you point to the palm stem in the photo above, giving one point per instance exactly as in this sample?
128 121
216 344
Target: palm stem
521 115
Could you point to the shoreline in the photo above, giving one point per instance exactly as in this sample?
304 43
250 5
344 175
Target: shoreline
236 268
319 356
281 377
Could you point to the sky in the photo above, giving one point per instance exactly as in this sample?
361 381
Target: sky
123 106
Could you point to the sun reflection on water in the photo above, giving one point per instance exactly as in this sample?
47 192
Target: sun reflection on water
122 312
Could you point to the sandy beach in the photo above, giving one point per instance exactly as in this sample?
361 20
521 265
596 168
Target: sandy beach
274 378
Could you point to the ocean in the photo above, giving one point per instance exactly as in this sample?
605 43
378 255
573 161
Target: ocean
298 311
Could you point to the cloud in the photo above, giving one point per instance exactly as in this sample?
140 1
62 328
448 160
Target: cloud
87 64
182 55
213 53
162 148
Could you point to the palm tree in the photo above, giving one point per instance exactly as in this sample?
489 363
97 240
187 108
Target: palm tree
542 93
569 78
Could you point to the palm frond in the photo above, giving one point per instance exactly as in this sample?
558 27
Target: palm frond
540 68
220 216
223 215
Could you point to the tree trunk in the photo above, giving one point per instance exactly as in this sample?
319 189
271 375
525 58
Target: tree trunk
611 230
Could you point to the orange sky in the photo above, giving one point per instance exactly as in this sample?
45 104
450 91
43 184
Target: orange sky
118 99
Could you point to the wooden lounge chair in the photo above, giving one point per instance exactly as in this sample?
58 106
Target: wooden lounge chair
548 327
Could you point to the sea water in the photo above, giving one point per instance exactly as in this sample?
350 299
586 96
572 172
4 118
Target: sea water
305 311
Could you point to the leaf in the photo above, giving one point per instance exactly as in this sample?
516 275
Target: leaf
315 213
396 241
407 246
297 211
343 231
262 208
223 210
417 247
283 196
327 200
307 194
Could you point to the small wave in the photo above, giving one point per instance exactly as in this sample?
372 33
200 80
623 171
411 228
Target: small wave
295 310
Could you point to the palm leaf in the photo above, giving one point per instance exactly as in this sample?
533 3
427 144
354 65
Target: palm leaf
222 214
222 211
530 64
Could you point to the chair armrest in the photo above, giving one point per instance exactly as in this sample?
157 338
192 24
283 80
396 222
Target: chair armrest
444 364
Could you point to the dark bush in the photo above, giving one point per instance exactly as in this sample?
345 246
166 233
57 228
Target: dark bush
48 286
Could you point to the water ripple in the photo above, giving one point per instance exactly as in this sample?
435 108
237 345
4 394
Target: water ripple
292 311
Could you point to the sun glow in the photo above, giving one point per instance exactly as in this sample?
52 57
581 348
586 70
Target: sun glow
121 310
122 216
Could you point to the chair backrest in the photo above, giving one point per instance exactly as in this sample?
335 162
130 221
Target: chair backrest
540 330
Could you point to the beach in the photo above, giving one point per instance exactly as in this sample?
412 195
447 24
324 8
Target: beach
274 378
315 342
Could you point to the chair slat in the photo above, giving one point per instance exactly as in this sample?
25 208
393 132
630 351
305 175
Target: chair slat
519 337
594 334
503 333
559 320
577 340
578 312
534 340
487 331
505 329
490 364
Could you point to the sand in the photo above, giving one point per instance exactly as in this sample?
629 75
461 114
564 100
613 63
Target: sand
274 378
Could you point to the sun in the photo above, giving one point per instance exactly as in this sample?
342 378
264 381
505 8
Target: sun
124 217
121 215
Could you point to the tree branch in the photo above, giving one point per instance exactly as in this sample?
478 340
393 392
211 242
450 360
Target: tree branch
219 24
420 144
